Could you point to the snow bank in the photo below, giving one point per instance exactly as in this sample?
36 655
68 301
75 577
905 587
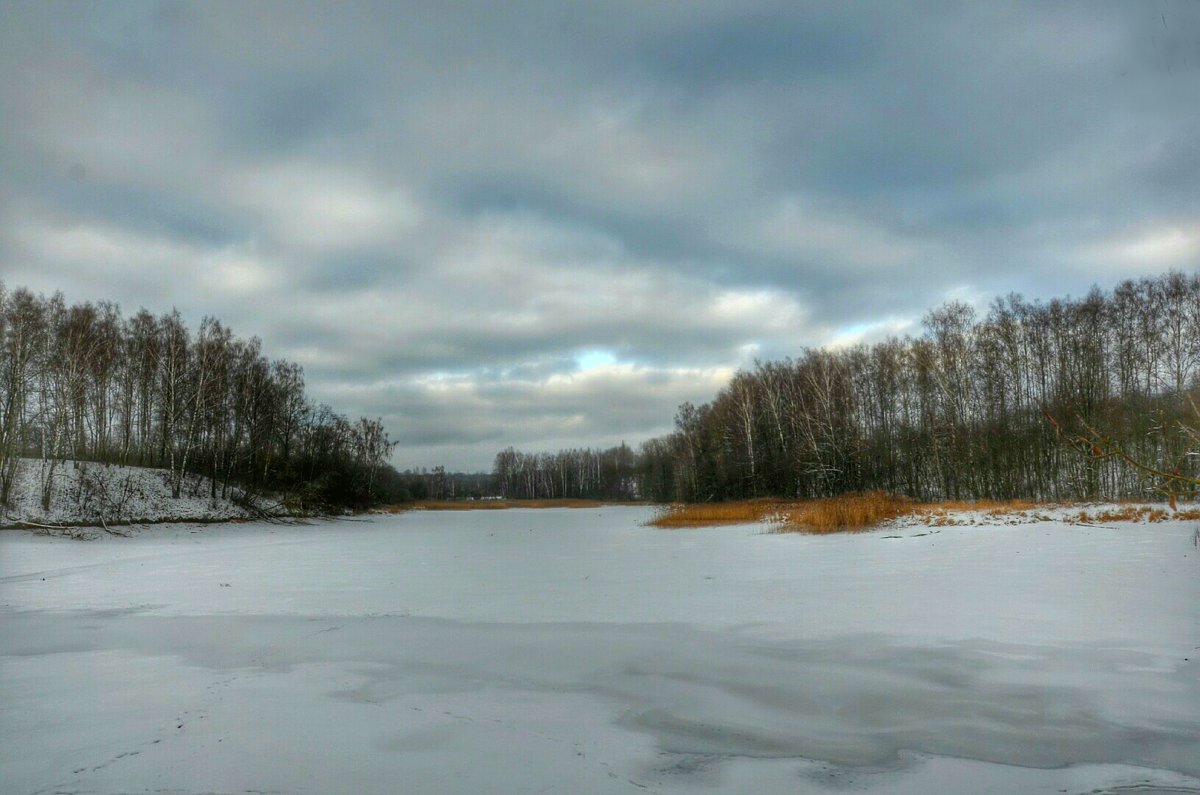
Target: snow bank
88 493
1076 513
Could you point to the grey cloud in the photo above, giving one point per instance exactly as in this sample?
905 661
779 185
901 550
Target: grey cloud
292 111
771 44
653 236
1171 170
156 212
473 421
478 192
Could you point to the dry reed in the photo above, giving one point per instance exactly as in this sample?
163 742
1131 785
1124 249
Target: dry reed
830 515
708 514
847 512
860 511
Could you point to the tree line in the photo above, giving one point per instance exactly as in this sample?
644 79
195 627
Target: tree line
83 382
438 484
610 474
977 406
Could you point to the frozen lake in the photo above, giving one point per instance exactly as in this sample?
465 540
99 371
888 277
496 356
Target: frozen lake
577 651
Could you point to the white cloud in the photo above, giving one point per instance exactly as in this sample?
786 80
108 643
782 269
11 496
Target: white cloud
237 270
96 260
767 311
95 245
320 207
868 332
824 237
1173 245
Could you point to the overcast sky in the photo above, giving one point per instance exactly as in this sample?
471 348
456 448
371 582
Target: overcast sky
548 224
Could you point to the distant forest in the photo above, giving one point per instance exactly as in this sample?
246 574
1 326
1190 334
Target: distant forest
975 407
82 382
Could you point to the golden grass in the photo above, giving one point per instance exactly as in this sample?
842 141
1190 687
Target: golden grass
708 514
830 515
844 513
490 505
860 511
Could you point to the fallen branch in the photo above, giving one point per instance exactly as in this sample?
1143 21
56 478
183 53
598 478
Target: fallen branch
69 531
42 526
111 531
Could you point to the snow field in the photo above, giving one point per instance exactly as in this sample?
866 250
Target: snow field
559 650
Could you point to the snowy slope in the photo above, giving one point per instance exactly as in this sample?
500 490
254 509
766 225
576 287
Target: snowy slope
579 651
87 493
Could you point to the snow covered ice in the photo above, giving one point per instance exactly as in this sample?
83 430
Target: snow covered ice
579 651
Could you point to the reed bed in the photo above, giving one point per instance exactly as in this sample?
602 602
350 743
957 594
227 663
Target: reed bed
847 512
861 511
708 514
844 513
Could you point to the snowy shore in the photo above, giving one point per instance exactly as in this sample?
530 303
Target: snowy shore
577 650
88 494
